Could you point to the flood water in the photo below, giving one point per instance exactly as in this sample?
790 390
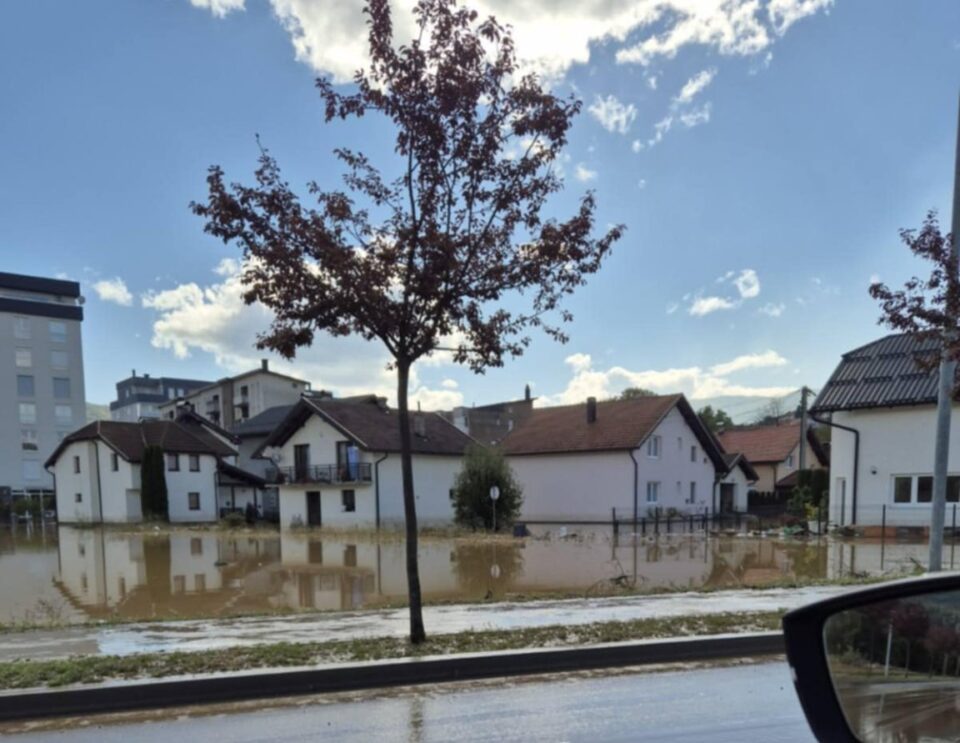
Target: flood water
65 575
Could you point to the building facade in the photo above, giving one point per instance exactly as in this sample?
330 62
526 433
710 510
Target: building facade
140 397
42 395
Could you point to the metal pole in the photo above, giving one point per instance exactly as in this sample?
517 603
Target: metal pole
948 370
883 533
803 428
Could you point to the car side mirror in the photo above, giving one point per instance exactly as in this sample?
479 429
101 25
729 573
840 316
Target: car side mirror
880 663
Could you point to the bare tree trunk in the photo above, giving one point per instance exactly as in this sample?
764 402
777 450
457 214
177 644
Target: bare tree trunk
417 632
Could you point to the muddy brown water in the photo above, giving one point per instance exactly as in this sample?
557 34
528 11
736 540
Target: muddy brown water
68 575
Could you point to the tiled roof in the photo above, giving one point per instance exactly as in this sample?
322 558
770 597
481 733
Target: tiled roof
738 460
621 425
881 374
766 444
130 439
374 427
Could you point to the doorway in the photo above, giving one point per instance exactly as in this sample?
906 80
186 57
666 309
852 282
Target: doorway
313 509
728 491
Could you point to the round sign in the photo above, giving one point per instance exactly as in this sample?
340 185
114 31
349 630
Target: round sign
494 493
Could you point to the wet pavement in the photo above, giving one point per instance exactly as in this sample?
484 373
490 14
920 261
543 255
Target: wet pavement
223 633
754 702
67 575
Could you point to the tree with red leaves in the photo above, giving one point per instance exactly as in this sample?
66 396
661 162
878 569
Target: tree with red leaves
432 252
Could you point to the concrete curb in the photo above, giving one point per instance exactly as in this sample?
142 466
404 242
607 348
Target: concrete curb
134 695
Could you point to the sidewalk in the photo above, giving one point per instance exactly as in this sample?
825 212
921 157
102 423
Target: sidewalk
209 634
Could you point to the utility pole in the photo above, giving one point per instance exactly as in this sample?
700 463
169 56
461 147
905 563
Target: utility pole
948 370
803 428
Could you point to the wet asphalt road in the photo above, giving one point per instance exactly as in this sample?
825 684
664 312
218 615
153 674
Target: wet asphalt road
735 704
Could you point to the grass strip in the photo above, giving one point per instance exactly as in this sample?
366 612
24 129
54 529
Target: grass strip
23 674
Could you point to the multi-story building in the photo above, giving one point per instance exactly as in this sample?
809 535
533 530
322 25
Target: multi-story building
140 397
41 375
233 400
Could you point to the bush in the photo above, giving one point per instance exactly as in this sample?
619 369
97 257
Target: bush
153 484
234 520
482 469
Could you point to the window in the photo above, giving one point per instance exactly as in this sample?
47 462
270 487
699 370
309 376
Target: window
78 498
179 584
349 499
350 556
58 359
693 492
193 501
196 546
953 489
61 388
924 489
199 583
173 462
28 439
21 328
902 487
194 462
790 460
25 386
63 414
32 469
653 492
58 331
653 447
76 465
114 462
244 391
28 412
693 454
24 358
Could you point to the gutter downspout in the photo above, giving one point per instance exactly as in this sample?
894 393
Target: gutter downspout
636 485
856 462
376 490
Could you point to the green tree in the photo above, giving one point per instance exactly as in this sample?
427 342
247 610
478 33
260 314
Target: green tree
482 469
632 393
715 420
153 483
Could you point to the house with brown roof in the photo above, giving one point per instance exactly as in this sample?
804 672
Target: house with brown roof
336 462
881 401
580 462
97 472
774 452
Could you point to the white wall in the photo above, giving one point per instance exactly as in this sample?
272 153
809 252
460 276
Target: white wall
587 486
894 441
742 486
69 483
179 484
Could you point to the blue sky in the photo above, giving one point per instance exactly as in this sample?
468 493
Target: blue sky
802 135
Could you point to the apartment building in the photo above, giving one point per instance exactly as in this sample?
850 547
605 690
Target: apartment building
41 375
140 397
234 400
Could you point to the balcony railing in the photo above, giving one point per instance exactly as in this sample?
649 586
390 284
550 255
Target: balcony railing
330 474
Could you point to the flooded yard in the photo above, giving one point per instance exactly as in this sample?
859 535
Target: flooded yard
70 575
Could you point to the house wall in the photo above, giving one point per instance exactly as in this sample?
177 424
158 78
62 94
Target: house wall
587 486
69 484
894 441
180 484
742 486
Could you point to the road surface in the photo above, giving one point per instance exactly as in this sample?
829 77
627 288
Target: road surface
732 703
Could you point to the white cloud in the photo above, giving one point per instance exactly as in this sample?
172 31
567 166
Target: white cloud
449 384
874 279
694 86
673 307
636 145
584 174
213 319
705 305
695 382
114 290
660 130
773 310
613 115
747 283
551 35
642 183
696 117
652 82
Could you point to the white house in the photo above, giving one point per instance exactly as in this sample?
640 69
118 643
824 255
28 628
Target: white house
337 463
882 406
734 487
579 462
96 470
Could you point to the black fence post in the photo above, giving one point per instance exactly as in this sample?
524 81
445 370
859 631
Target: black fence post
656 520
616 527
883 532
643 525
691 522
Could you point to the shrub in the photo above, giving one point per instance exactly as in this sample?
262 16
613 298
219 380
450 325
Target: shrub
482 469
153 484
233 520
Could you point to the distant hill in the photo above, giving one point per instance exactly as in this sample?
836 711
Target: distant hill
97 412
744 409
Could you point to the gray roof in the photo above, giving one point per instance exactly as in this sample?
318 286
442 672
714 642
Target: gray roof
262 424
885 373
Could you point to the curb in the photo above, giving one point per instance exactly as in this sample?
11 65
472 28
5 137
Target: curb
134 695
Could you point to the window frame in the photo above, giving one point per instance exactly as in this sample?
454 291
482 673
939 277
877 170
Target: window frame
191 460
348 500
23 354
193 501
26 381
78 497
693 453
22 321
173 461
114 462
64 381
953 482
63 420
653 488
31 418
56 337
76 464
654 447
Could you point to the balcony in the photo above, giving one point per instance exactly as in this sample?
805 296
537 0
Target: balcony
359 473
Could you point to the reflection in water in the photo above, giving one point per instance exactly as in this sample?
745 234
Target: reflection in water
896 667
69 574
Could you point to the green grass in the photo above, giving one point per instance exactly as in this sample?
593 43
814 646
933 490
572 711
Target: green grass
23 674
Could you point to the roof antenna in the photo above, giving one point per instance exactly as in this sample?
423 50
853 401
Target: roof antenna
418 406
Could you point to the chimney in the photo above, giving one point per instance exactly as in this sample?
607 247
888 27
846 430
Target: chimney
264 365
133 372
526 392
591 410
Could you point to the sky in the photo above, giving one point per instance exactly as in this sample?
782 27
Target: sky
762 154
